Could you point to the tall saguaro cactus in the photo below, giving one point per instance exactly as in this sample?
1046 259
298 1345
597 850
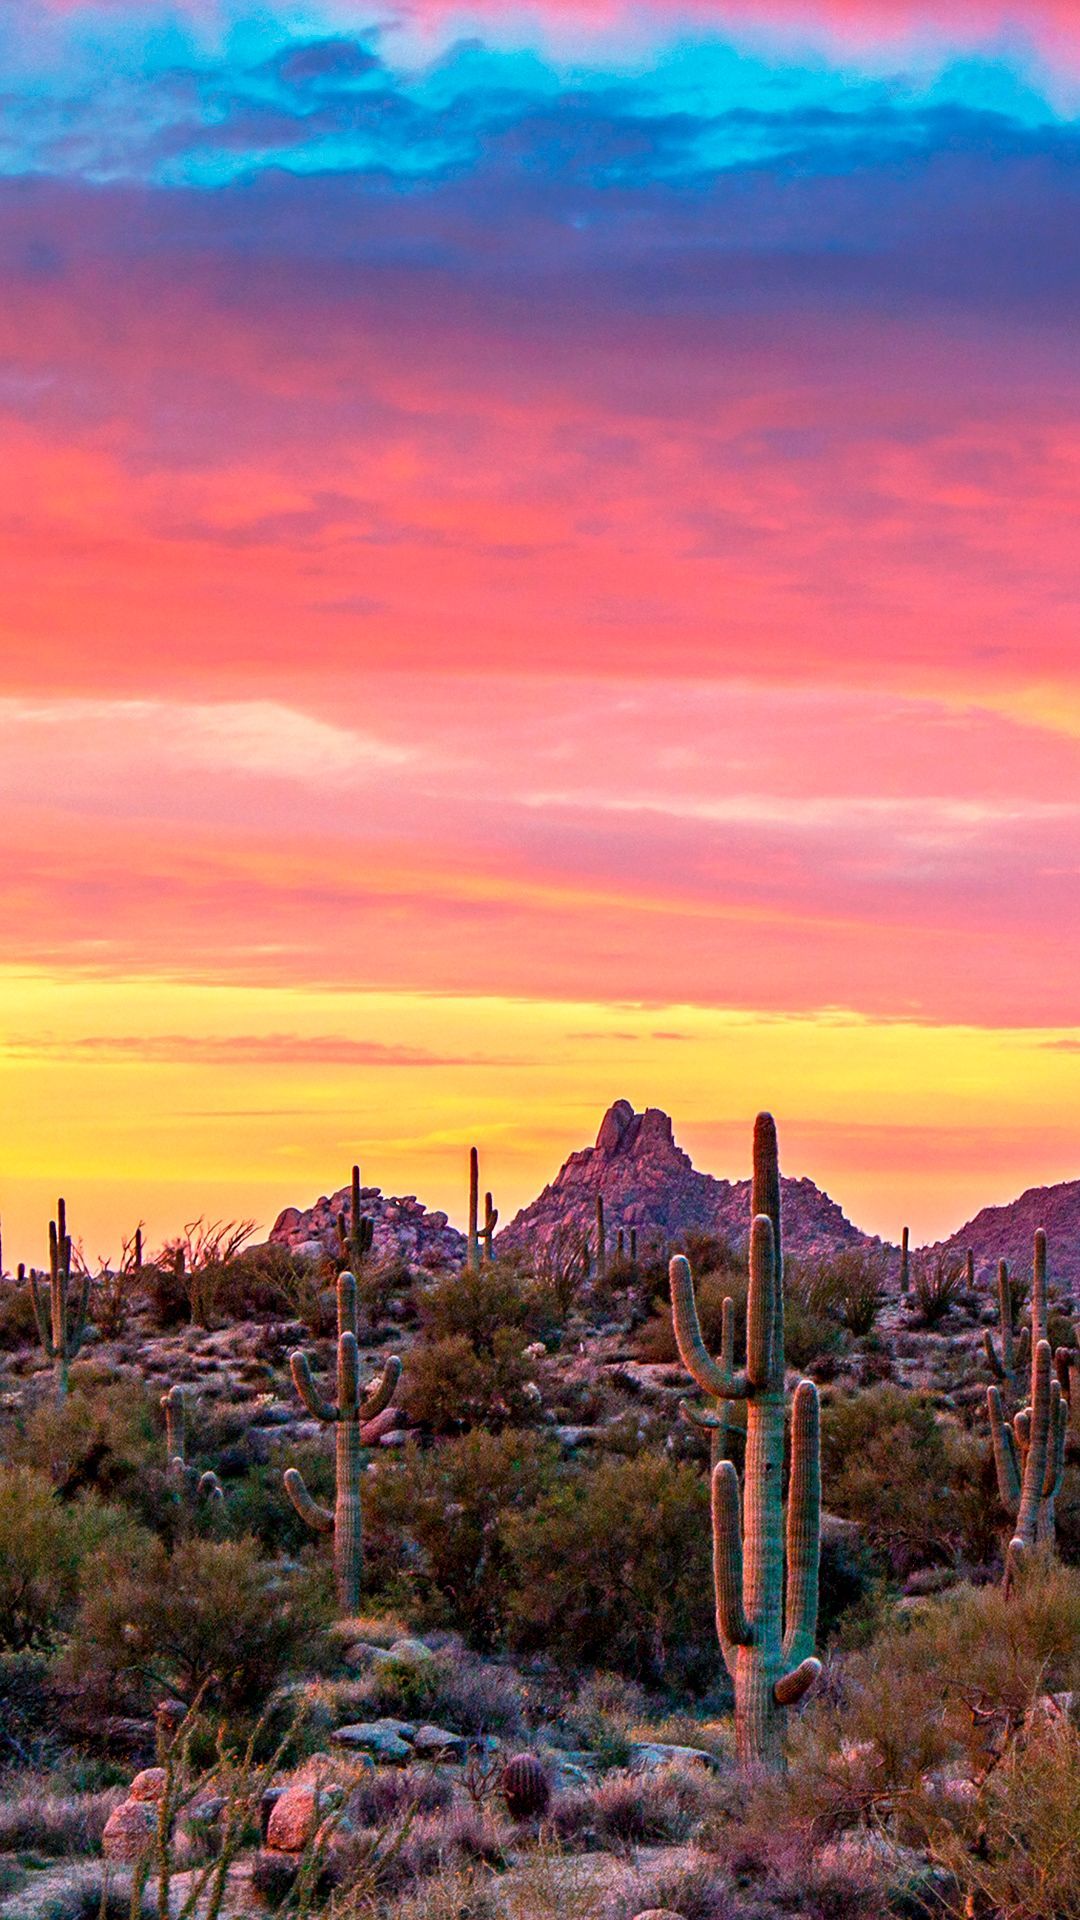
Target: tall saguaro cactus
766 1617
1005 1364
472 1251
601 1238
905 1262
1029 1453
61 1320
352 1407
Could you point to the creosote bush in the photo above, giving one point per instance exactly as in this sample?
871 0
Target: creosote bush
45 1543
450 1386
917 1483
211 1616
613 1569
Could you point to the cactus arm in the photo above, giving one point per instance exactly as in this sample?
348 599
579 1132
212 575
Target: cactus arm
793 1686
346 1304
41 1315
764 1337
300 1368
717 1381
382 1390
319 1519
1055 1452
1031 1492
732 1625
803 1525
211 1489
348 1377
1006 1458
765 1190
702 1417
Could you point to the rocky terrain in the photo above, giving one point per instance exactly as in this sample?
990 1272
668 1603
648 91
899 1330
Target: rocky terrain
1006 1233
647 1182
403 1229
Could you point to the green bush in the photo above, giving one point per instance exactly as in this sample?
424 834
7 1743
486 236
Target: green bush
450 1387
916 1483
443 1514
211 1615
479 1305
103 1436
18 1324
613 1566
44 1545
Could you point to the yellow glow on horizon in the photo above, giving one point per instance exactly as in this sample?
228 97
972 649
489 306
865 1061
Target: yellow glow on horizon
161 1100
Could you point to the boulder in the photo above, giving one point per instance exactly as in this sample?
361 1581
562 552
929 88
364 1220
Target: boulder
296 1815
377 1738
148 1785
435 1743
129 1831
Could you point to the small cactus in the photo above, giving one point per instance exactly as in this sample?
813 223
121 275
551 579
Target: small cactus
601 1238
61 1320
526 1788
352 1408
905 1262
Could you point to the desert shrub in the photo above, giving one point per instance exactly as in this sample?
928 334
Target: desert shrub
847 1580
655 1341
693 1890
480 1304
613 1567
87 1890
44 1543
381 1795
452 1689
1012 1850
103 1436
914 1482
659 1808
27 1706
444 1514
36 1818
210 1615
849 1285
949 1683
450 1386
259 1508
18 1325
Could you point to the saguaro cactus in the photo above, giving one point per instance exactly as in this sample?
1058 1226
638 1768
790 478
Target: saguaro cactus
491 1221
766 1625
355 1242
206 1486
1029 1453
601 1238
352 1407
905 1262
472 1251
1007 1364
61 1320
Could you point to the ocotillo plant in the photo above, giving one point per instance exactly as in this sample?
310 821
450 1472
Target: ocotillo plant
601 1238
61 1321
766 1633
351 1408
905 1262
1007 1363
355 1241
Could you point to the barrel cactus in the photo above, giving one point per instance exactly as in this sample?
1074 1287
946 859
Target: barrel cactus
526 1788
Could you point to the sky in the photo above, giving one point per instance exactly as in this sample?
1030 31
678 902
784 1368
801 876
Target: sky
539 565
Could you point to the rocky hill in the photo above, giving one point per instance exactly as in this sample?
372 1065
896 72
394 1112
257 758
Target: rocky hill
648 1182
1007 1233
404 1229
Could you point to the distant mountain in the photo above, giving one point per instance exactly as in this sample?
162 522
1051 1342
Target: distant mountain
648 1182
1008 1233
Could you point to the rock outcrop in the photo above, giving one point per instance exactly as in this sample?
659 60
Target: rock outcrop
404 1229
649 1183
1008 1233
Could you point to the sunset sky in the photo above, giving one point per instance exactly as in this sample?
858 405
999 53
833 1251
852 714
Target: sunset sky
540 559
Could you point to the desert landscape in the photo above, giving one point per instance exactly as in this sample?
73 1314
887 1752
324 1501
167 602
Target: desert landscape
675 1548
